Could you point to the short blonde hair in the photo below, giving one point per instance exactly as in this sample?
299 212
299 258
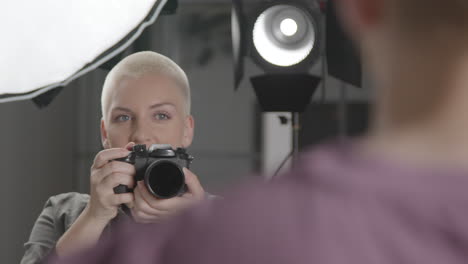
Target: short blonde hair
142 63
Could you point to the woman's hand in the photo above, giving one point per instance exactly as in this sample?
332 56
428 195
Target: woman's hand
105 176
149 209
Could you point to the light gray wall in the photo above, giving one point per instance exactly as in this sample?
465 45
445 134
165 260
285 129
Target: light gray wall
37 160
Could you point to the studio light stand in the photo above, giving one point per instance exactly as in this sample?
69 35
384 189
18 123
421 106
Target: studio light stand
288 92
285 39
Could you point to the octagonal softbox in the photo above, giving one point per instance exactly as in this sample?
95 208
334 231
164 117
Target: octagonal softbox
46 44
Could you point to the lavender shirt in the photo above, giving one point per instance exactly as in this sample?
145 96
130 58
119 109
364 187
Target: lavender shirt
336 207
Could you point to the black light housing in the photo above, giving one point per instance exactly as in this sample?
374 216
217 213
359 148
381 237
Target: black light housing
343 59
280 36
284 92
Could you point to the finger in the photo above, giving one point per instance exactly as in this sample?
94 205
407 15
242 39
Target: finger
104 156
116 179
131 204
142 217
130 146
141 204
169 206
193 184
149 198
118 199
112 168
176 204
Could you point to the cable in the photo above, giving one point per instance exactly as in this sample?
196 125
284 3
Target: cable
283 163
324 79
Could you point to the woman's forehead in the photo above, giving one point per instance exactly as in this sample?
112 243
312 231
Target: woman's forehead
146 92
147 88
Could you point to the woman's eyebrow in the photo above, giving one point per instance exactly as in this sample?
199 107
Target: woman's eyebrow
124 109
161 105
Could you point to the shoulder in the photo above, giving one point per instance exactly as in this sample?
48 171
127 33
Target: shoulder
66 207
68 199
257 213
319 172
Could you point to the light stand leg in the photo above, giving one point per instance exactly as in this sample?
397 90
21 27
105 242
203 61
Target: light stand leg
295 137
342 111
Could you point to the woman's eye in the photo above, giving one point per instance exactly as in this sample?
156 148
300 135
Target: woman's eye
122 118
161 116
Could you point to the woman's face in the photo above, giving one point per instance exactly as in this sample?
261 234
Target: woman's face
146 110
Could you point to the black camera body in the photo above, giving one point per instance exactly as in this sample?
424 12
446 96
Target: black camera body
161 169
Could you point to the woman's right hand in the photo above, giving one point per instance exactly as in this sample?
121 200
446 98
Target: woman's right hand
105 175
103 204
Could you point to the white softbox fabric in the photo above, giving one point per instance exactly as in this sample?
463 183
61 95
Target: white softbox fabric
48 43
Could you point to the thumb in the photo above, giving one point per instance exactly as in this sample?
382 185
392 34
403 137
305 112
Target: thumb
130 204
193 184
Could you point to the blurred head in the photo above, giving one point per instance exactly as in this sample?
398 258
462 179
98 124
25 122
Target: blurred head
414 48
429 27
146 100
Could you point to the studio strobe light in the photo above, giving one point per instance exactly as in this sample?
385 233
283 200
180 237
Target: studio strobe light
284 35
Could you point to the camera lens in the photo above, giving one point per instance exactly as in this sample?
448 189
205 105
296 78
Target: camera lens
164 179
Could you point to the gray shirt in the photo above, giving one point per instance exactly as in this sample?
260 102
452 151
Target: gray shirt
59 213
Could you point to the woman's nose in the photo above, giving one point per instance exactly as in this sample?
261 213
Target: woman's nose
141 134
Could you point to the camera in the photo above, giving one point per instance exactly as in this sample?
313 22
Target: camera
160 167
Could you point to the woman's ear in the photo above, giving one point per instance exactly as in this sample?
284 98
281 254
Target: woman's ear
104 139
189 125
358 15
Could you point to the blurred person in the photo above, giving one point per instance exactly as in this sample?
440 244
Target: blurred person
397 195
145 100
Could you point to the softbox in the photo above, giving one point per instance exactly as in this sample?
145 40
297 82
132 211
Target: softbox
47 44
